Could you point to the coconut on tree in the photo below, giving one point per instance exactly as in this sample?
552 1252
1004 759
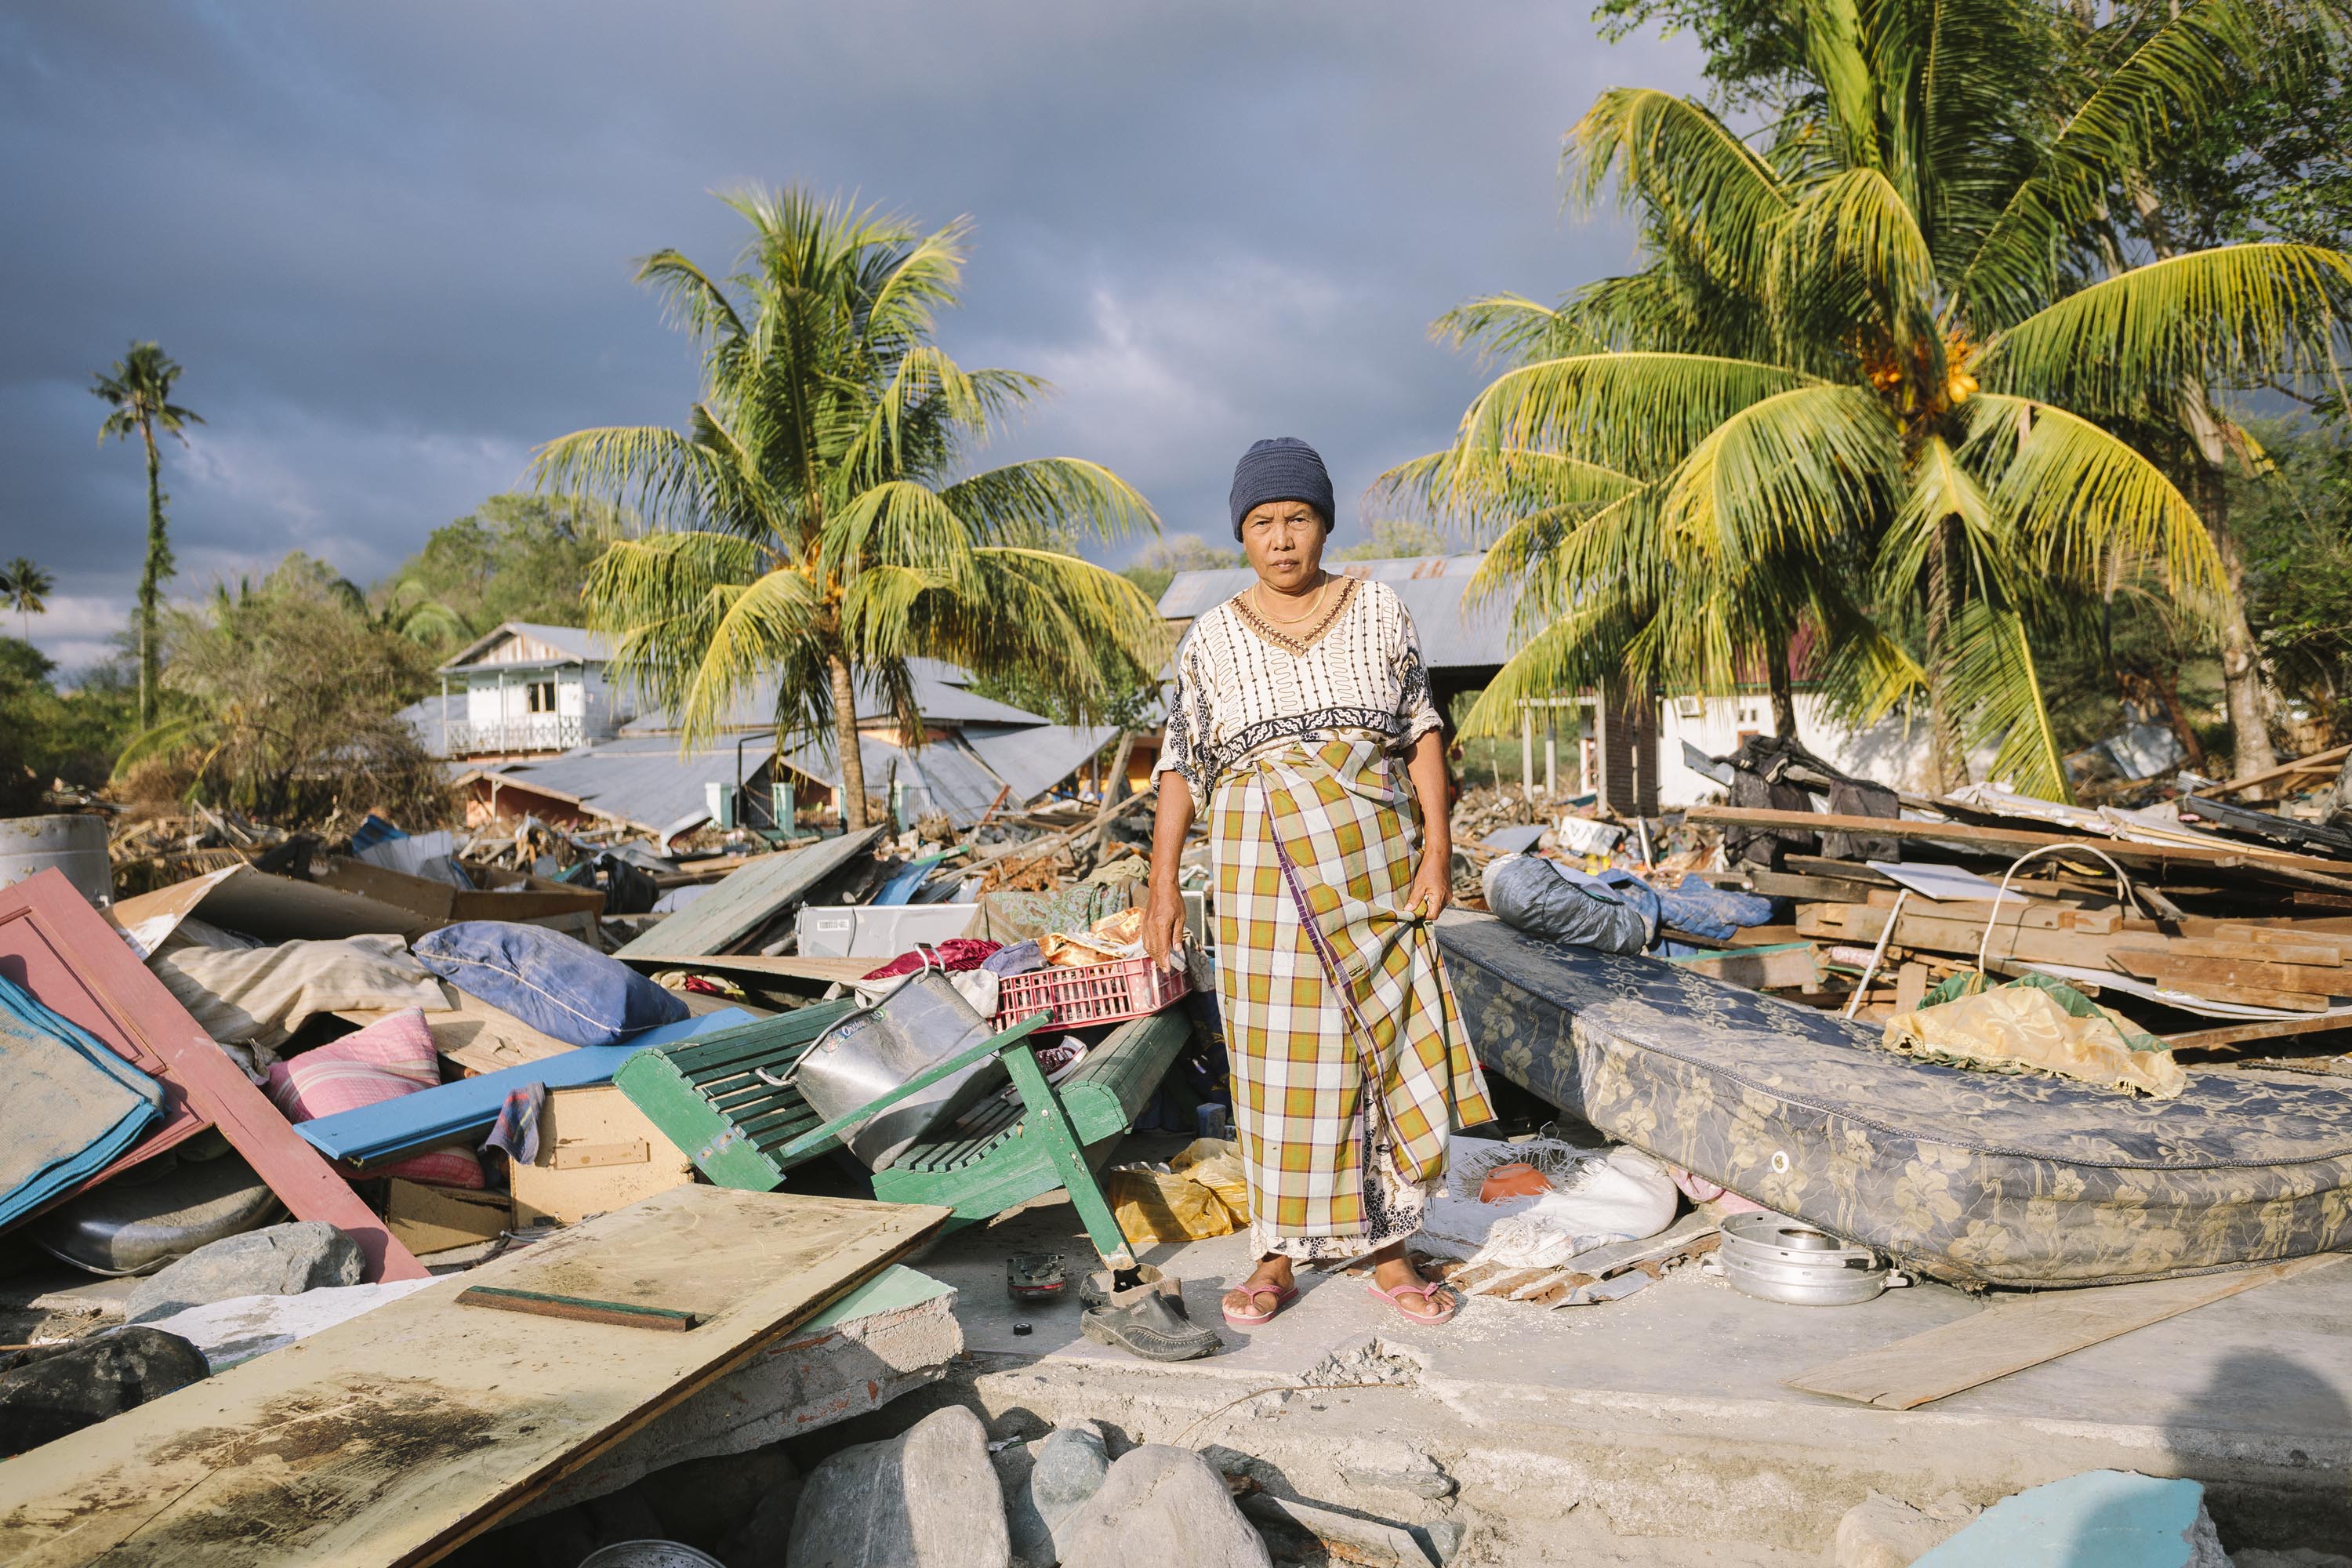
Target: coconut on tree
819 522
1896 372
138 391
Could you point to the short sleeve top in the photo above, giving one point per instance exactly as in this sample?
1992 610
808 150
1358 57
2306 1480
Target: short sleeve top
1243 684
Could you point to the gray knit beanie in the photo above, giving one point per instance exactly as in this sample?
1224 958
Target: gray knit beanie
1281 468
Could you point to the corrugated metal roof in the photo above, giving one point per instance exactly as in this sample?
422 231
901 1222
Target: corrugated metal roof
640 780
749 896
426 717
942 696
573 642
1431 586
1035 758
944 775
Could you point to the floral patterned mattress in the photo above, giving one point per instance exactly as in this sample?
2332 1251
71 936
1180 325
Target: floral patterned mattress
1972 1177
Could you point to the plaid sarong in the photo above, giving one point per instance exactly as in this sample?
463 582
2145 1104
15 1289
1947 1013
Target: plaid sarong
1352 996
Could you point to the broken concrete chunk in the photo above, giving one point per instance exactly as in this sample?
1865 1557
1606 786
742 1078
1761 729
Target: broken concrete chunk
1389 1465
927 1499
275 1260
51 1390
2115 1517
1882 1532
1066 1468
1164 1503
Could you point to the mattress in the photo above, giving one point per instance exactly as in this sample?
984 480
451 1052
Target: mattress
1977 1178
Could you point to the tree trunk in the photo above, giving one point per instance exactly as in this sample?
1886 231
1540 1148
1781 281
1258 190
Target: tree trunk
1952 763
1784 696
151 580
2242 673
845 744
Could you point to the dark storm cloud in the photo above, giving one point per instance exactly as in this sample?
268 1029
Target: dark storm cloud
392 243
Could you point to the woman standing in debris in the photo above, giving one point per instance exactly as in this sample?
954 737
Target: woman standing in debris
1302 724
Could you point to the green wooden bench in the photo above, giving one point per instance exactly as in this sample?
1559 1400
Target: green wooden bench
740 1131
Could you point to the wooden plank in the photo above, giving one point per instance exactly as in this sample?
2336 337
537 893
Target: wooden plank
2264 1029
750 898
56 946
1910 988
1788 963
2318 762
2238 976
2252 857
597 1152
2283 950
1959 935
579 1308
1790 885
394 1438
2009 1338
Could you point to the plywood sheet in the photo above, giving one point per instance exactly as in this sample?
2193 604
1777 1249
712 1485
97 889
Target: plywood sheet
394 1438
750 897
2006 1339
597 1152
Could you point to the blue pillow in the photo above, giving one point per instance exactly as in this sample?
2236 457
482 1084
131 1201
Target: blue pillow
558 985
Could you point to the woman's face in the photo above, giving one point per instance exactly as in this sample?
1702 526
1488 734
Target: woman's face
1284 542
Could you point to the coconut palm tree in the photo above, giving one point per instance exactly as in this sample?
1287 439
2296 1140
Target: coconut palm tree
27 587
139 393
817 522
1884 374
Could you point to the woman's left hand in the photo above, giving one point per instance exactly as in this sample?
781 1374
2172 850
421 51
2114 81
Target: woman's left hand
1433 884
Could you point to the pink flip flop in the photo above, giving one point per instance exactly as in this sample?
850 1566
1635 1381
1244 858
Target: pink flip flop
1283 1296
1428 1294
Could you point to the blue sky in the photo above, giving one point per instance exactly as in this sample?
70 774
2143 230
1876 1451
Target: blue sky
391 245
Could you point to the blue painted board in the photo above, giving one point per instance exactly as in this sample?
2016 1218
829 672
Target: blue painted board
2098 1519
68 1105
375 1133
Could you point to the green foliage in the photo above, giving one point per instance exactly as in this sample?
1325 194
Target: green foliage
1397 539
514 558
1160 561
26 587
138 393
2294 525
285 699
47 734
1893 373
820 522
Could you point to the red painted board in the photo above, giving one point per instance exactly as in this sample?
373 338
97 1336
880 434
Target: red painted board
56 946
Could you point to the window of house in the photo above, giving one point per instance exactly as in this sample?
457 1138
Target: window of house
542 696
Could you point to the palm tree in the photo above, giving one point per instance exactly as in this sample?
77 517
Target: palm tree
139 391
808 526
27 587
1891 374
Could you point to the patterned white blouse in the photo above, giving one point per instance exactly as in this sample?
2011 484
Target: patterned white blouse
1243 684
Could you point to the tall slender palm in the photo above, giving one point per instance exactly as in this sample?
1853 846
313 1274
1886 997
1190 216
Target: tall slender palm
27 587
1883 374
809 525
139 391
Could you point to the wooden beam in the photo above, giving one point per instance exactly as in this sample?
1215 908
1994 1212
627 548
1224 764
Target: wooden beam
2318 762
2006 1339
2261 1029
1994 839
2234 979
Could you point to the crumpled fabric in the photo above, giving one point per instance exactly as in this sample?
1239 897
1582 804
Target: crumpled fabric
2037 1026
1702 908
264 993
1020 958
1108 939
1622 1194
1544 898
516 1131
958 953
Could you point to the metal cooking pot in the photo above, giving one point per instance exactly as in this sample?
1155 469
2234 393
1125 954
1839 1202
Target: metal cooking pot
1776 1258
919 1023
160 1209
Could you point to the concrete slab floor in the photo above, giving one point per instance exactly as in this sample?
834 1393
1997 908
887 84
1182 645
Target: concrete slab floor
1657 1425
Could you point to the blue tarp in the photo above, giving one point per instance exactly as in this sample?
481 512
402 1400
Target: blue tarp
68 1105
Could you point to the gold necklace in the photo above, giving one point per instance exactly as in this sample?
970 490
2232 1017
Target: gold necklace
1317 608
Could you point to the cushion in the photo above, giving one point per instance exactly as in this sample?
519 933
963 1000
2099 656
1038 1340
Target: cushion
558 985
391 1058
264 993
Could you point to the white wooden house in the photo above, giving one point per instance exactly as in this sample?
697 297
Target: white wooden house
524 689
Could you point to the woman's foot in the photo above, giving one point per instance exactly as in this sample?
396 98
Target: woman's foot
1256 1300
1396 1281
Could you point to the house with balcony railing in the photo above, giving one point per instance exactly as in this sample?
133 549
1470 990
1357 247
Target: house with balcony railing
523 689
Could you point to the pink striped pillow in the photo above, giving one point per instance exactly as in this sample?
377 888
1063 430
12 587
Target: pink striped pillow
390 1057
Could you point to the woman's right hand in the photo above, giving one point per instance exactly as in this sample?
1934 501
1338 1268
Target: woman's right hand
1163 924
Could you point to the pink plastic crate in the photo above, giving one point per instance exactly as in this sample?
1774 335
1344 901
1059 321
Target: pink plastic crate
1091 993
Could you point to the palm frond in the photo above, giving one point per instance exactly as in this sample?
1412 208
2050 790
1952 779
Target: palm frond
1040 501
1993 661
1675 160
1637 413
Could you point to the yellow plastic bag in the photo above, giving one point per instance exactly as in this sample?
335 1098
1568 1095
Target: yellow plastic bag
1161 1205
1216 1164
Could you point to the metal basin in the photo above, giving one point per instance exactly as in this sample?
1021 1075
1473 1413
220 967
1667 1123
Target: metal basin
1776 1258
156 1211
872 1052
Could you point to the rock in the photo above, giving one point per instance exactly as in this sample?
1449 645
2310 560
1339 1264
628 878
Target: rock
1388 1465
275 1260
927 1499
51 1390
2130 1520
1446 1537
1164 1504
2298 1557
1066 1468
1882 1532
